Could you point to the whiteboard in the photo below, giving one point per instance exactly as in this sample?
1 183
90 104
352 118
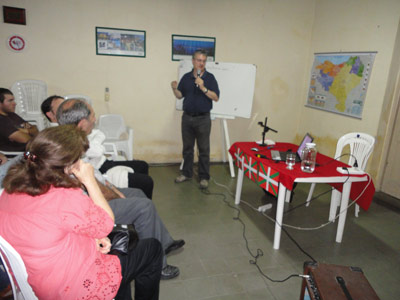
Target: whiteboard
236 84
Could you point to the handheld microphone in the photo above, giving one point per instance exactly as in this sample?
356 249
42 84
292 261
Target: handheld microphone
198 75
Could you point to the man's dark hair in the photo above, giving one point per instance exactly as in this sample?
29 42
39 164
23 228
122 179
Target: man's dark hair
3 92
46 104
72 111
199 51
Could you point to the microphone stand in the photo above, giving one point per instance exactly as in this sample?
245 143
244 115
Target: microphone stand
266 129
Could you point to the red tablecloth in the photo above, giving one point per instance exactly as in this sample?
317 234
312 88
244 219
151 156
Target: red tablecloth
268 173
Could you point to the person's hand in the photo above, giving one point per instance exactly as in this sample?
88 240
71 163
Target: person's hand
26 125
24 130
103 245
199 82
82 170
3 159
174 84
118 192
115 193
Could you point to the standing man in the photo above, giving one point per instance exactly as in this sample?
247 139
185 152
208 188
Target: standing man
15 132
200 89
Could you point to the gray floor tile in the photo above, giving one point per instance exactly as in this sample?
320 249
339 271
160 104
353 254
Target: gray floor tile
214 263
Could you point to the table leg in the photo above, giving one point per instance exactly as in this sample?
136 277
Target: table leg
343 211
335 201
228 144
279 215
239 184
287 196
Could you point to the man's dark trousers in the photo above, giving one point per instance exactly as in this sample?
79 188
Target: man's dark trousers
196 128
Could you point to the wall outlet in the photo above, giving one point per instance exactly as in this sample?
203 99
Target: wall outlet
107 94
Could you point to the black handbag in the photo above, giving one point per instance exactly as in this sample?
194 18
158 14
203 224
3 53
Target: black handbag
124 239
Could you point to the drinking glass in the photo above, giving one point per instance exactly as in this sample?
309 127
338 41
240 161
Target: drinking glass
290 160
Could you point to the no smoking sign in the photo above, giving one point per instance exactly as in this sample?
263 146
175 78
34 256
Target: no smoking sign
16 43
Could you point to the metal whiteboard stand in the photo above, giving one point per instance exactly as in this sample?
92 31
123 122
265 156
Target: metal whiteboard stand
226 143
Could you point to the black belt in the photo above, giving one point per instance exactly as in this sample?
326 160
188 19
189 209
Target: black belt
197 114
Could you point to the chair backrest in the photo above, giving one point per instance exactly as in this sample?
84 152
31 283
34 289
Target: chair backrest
16 270
29 95
112 125
361 147
80 97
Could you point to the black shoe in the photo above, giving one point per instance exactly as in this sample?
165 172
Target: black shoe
176 244
169 272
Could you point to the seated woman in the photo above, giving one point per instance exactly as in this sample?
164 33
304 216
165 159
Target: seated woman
61 233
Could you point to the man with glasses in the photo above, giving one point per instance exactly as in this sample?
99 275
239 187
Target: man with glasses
200 89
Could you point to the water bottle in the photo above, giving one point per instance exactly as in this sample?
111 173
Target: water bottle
308 157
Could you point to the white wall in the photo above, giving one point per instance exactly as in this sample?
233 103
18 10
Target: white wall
357 25
274 35
279 37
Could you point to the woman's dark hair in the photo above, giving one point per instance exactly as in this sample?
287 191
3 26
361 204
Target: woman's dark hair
48 154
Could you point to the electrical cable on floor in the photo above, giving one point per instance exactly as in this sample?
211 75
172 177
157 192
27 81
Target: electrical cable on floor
320 226
259 251
302 228
316 197
284 230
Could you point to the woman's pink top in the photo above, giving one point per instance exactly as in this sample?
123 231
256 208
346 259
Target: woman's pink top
55 235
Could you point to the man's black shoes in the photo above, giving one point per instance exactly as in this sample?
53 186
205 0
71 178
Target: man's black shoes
176 244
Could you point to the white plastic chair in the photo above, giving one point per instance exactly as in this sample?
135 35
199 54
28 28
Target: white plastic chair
361 147
11 153
113 126
29 95
16 271
111 151
80 97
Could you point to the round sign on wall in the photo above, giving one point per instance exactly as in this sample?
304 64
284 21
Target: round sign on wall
16 43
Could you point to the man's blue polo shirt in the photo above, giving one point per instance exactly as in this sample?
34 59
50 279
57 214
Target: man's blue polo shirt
195 100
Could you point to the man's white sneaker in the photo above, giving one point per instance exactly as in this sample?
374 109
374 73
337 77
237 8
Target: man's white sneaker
203 183
181 178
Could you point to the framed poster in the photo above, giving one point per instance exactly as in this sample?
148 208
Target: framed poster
183 46
339 82
14 15
120 42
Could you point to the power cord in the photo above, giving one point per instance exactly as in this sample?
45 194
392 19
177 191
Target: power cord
340 156
322 225
260 253
316 197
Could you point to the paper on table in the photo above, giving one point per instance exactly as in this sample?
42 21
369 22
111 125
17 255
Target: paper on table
266 142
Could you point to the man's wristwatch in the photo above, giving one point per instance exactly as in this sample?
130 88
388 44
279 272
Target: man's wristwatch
205 91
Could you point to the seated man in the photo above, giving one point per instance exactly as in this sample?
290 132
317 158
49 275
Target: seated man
15 132
80 113
49 108
130 205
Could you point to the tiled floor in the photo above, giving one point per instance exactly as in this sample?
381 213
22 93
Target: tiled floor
215 264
